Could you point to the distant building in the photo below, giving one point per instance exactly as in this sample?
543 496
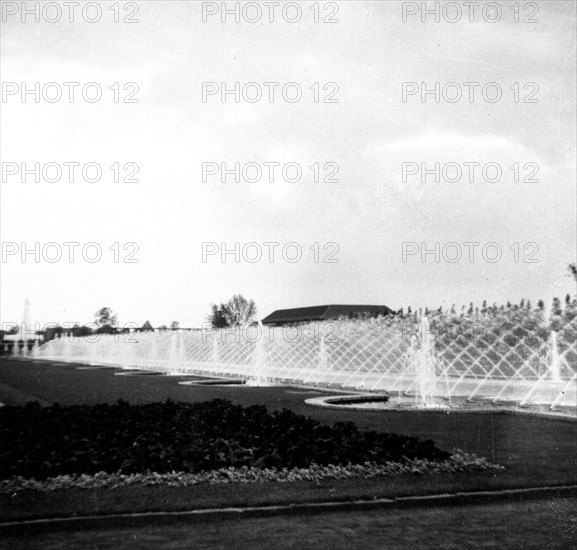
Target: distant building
323 313
147 327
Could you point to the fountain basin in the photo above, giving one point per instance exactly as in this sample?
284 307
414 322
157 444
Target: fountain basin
140 373
213 382
402 403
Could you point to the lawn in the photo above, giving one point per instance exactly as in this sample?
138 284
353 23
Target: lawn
544 524
536 451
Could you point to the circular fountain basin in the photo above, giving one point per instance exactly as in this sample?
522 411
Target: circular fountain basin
213 382
95 367
140 373
438 405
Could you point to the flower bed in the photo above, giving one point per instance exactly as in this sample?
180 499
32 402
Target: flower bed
458 462
215 441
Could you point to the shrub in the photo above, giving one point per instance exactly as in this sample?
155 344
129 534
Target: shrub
165 437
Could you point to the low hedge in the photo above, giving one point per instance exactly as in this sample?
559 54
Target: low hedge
41 442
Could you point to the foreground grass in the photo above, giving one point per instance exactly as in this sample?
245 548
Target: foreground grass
536 451
532 524
79 502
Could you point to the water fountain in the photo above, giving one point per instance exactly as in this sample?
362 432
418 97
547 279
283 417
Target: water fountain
425 364
500 366
555 361
259 377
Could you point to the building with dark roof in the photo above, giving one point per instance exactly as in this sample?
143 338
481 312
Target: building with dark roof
323 313
147 327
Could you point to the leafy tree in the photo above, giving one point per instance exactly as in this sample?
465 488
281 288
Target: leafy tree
573 270
241 310
105 320
219 316
14 329
175 325
541 305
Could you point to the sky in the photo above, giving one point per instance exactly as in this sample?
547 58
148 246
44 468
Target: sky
360 222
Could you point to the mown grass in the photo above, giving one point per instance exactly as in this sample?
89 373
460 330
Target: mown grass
542 524
536 451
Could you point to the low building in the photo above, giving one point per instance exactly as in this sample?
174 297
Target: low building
147 327
323 313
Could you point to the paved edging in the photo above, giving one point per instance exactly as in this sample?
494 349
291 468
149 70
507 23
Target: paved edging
114 521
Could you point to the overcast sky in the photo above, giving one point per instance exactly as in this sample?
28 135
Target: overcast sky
369 133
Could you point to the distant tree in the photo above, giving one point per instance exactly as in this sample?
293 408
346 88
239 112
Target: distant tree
567 300
175 325
78 330
522 303
241 310
162 327
528 305
105 317
453 309
573 270
14 329
219 316
541 305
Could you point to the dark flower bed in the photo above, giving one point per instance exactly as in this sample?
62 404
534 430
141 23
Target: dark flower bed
37 442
